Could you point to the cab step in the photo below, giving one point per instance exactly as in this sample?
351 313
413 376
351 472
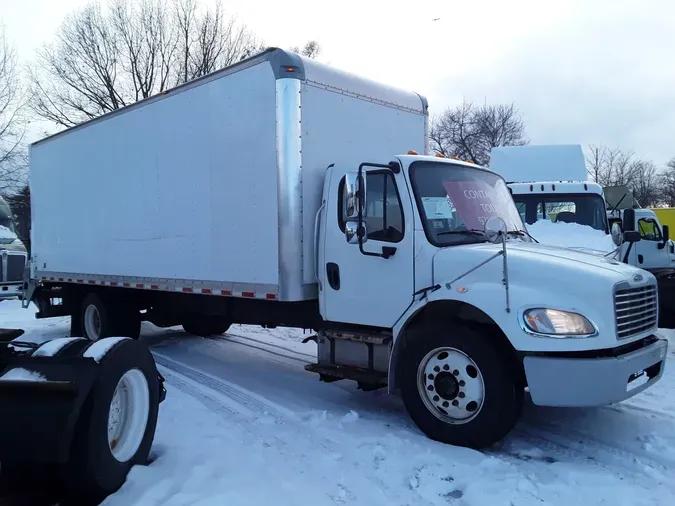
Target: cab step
367 379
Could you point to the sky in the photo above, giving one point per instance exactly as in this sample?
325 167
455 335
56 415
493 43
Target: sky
582 72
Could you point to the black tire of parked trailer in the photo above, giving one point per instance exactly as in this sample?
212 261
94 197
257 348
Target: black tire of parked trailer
205 326
117 317
503 384
91 472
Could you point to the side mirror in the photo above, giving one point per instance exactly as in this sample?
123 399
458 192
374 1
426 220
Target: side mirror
666 236
631 236
617 234
354 199
354 195
352 232
495 229
629 220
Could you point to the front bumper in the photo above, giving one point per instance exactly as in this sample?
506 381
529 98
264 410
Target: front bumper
579 382
10 291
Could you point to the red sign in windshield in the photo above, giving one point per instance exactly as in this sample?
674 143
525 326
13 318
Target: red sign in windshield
476 202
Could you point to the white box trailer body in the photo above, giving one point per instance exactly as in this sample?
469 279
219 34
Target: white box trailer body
215 184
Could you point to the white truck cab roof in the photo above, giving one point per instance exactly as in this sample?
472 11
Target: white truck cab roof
552 187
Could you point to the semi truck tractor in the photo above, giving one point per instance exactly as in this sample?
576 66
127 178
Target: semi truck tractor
12 255
549 185
283 192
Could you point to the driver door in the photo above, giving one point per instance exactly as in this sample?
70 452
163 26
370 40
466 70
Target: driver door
369 289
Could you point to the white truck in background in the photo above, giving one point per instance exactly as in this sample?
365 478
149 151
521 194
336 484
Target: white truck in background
276 192
549 184
12 255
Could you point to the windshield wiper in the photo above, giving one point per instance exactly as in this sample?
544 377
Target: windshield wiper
521 233
457 232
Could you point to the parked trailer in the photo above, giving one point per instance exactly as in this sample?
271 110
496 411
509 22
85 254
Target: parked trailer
271 193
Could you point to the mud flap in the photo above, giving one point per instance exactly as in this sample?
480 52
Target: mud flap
41 407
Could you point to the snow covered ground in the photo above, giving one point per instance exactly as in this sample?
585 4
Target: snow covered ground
244 424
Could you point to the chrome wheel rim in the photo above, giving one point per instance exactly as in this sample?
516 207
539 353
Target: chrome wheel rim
451 385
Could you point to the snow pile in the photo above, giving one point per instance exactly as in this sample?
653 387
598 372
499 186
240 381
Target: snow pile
20 374
571 235
6 233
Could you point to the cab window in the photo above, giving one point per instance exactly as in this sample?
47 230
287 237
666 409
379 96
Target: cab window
383 215
649 230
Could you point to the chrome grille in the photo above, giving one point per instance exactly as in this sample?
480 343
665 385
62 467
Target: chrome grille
15 267
636 310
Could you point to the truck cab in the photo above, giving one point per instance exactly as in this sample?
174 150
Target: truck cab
436 250
12 255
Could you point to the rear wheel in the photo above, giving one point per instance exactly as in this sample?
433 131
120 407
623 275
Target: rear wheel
457 387
206 326
104 316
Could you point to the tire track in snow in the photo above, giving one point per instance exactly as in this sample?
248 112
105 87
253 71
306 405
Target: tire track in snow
210 390
576 439
564 446
251 402
263 346
268 344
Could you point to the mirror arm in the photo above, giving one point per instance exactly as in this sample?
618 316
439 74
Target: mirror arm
625 257
387 251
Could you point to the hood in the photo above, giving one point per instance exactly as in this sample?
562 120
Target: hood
539 264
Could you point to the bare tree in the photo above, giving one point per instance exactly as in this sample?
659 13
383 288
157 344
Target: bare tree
613 167
12 120
645 187
104 59
208 40
311 49
470 132
667 184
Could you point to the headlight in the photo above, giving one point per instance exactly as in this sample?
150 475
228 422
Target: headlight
557 323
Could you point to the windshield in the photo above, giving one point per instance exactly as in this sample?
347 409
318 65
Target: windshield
455 201
584 209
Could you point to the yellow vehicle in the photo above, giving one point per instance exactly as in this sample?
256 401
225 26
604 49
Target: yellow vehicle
666 216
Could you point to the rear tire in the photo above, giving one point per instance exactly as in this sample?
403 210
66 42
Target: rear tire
205 327
103 451
103 317
456 386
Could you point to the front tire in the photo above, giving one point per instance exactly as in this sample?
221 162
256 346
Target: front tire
456 386
116 426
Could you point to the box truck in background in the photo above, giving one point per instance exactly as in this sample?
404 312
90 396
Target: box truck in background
549 184
12 255
277 192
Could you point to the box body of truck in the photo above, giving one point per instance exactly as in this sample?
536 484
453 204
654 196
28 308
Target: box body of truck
212 187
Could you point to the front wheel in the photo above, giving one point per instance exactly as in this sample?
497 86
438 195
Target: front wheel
457 387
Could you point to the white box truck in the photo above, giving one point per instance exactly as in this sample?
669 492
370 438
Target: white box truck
277 192
12 255
549 185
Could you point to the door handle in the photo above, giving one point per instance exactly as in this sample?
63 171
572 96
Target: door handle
333 275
